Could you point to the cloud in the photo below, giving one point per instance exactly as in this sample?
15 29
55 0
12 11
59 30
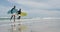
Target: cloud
45 4
43 13
32 4
39 7
54 3
4 10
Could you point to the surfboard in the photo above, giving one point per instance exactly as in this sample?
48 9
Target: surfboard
23 14
14 11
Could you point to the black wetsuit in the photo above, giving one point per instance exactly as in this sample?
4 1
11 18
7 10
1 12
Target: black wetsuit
19 12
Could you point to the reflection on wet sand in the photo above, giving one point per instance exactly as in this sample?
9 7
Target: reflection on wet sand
43 25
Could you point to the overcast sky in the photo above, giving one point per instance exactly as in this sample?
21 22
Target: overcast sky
34 8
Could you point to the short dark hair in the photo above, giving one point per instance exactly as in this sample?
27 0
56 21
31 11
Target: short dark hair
14 6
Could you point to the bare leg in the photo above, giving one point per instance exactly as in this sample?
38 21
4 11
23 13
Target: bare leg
19 17
14 18
11 17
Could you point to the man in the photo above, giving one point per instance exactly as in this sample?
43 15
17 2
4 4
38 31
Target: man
19 12
13 12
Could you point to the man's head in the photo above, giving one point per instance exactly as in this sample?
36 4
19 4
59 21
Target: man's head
19 9
14 6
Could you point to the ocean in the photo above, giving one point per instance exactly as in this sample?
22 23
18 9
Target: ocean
31 25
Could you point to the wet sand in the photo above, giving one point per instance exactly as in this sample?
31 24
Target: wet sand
42 25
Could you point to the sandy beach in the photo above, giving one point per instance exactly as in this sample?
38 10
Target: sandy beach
42 25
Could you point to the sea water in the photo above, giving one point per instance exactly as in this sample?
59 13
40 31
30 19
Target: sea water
31 25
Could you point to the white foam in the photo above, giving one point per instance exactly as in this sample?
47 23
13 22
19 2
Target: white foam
38 18
51 18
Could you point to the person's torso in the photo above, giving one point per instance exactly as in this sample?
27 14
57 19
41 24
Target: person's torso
19 12
13 11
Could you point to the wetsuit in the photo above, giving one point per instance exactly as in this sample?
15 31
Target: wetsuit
19 12
13 12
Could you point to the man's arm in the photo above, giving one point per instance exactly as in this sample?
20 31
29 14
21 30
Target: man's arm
12 10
